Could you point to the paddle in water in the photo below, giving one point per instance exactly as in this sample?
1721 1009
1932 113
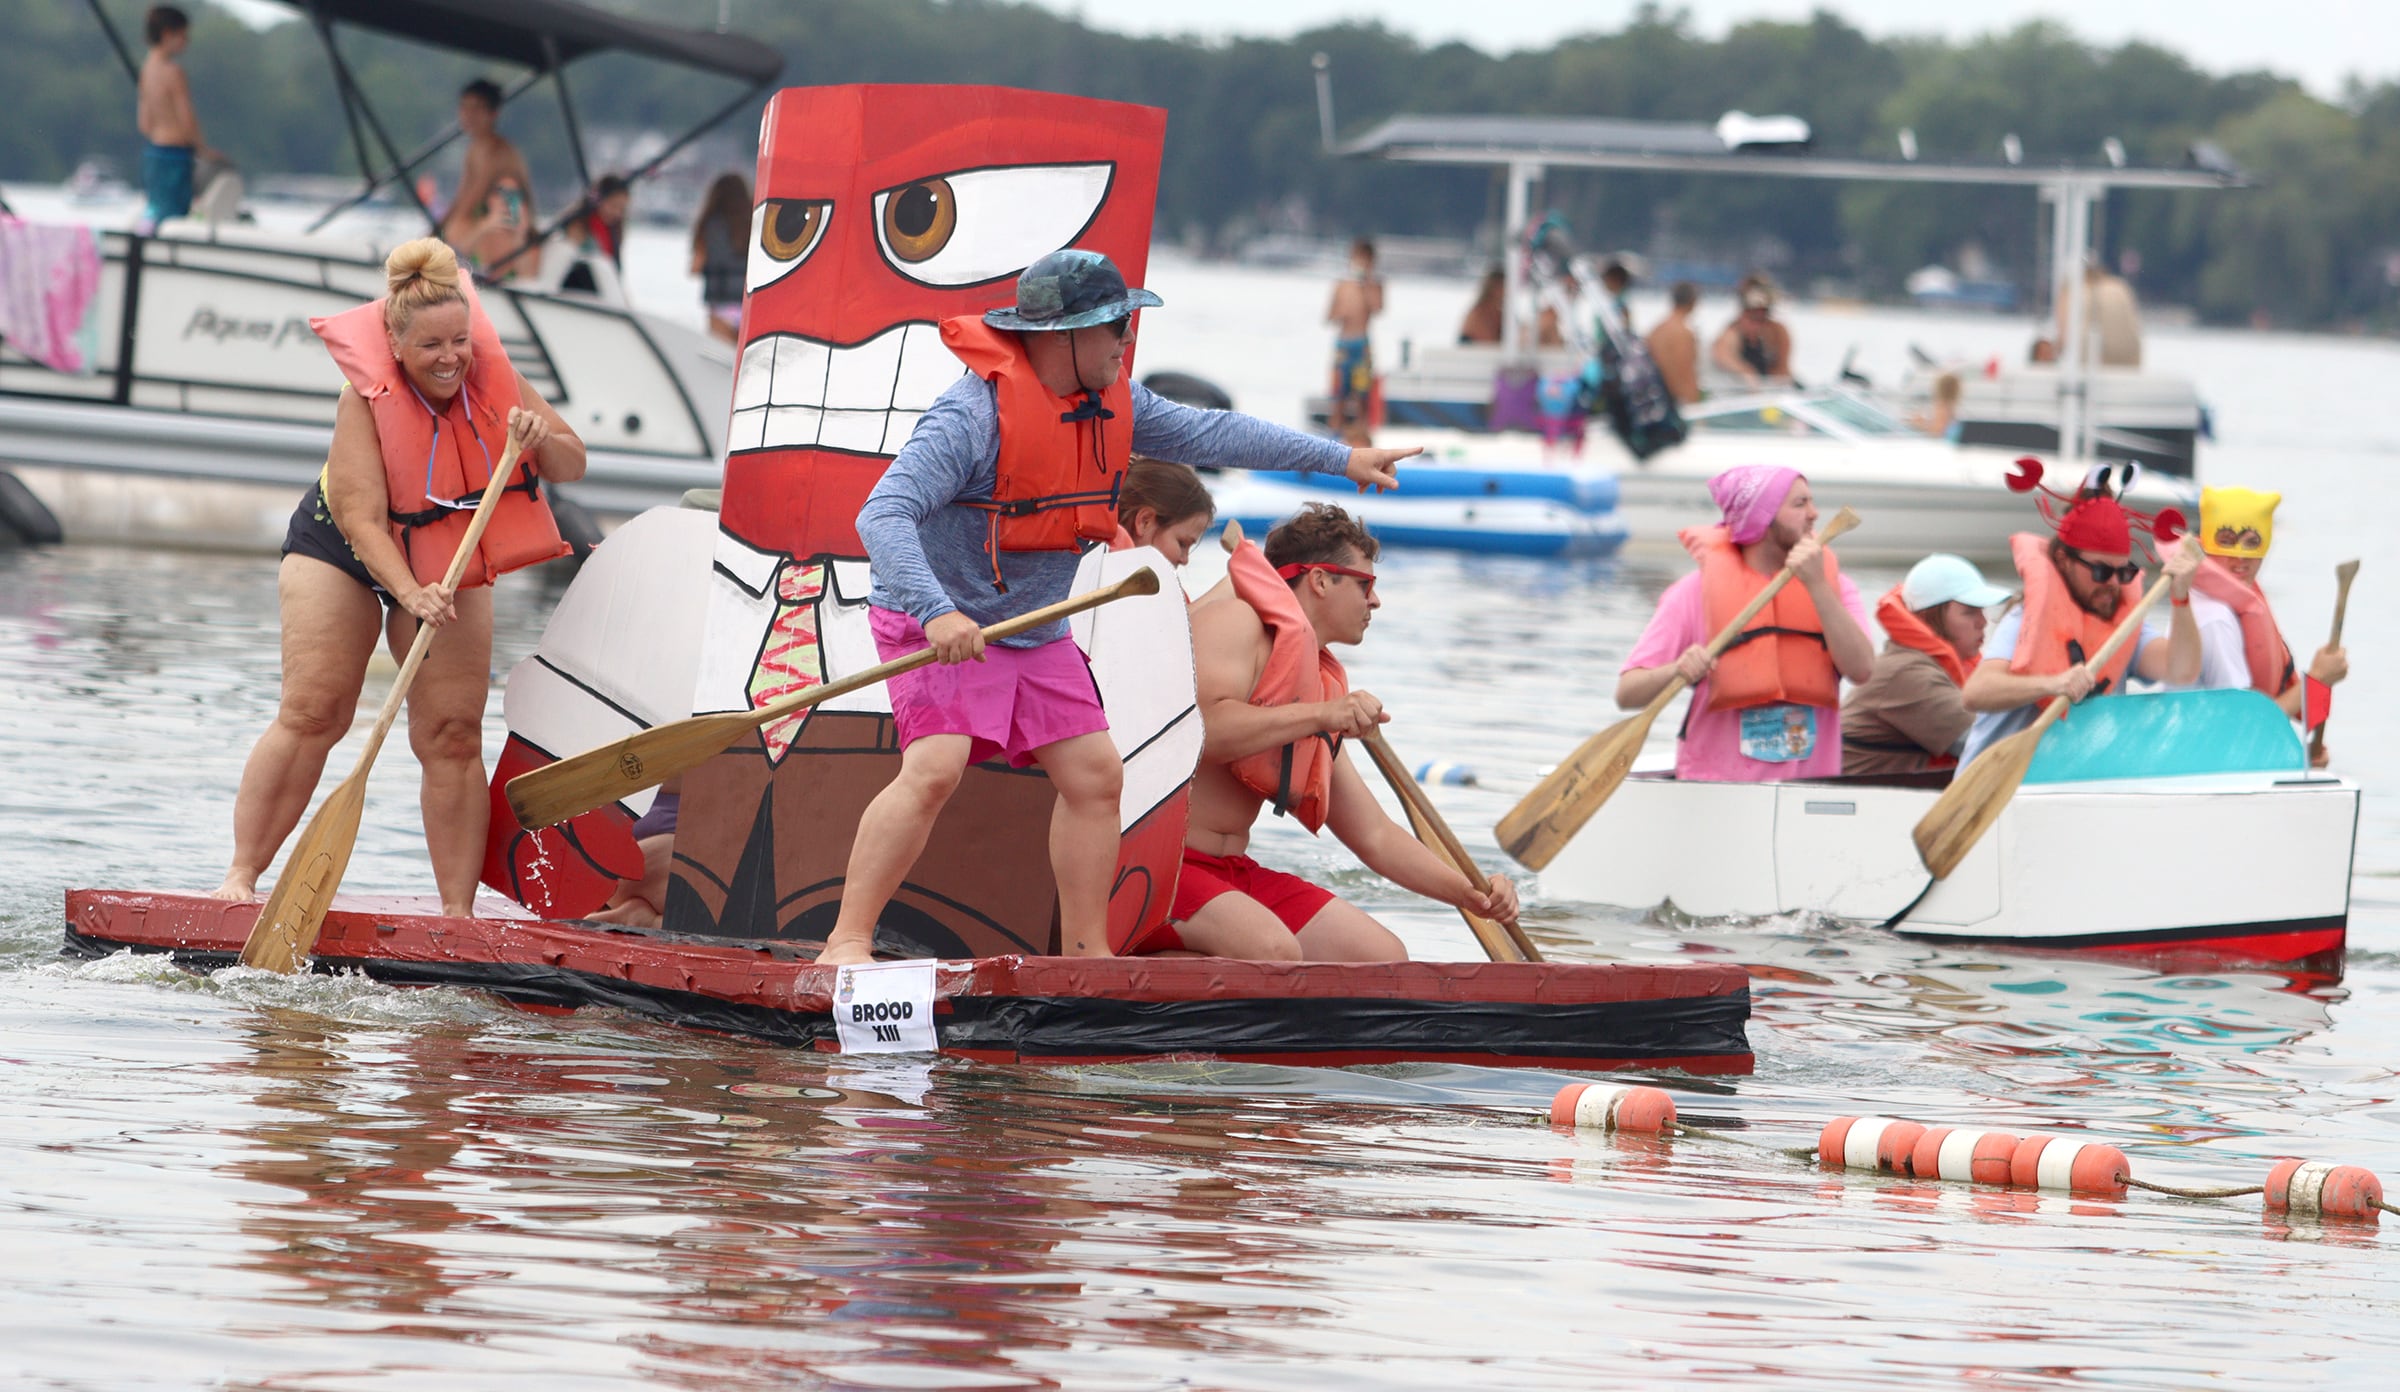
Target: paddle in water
1981 791
286 930
597 777
2343 574
1540 825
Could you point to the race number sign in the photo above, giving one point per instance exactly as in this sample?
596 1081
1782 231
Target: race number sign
885 1008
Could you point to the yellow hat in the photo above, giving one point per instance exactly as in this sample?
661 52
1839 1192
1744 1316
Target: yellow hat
2237 521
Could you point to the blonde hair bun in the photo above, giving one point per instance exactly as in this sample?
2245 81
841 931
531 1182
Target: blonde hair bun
418 275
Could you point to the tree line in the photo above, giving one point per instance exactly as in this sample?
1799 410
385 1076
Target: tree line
2308 246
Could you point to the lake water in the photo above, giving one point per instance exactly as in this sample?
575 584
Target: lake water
255 1182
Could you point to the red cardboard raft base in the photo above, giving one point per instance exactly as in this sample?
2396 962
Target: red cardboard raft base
1565 1015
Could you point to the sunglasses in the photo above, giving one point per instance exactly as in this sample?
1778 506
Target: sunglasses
2244 537
1120 327
1365 579
2102 572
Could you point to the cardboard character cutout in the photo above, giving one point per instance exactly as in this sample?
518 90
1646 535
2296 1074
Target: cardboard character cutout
883 210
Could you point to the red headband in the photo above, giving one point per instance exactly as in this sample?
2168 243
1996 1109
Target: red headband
2093 519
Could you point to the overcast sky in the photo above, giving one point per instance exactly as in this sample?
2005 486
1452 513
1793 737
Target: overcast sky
2320 42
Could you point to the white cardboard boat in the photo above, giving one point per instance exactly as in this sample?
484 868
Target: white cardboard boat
2182 827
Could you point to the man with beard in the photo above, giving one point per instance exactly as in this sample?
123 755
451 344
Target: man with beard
2076 583
1769 707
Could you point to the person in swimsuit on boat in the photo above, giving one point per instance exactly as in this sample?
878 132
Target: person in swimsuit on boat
170 128
972 524
1756 346
1769 707
1675 347
1356 302
718 236
1274 706
493 214
370 544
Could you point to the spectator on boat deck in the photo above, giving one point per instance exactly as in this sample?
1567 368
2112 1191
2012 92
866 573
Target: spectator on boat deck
2240 645
719 236
171 143
493 214
1617 281
2075 585
2112 319
947 559
1909 716
1675 347
1356 302
1274 708
1769 707
1756 346
1162 505
1484 317
428 407
599 229
1940 416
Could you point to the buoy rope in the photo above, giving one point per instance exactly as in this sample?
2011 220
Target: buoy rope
2386 1207
1685 1128
2183 1193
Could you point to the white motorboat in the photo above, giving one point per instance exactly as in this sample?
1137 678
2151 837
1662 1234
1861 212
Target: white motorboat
208 406
2181 827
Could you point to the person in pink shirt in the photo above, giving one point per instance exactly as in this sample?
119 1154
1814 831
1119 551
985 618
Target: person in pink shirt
1769 707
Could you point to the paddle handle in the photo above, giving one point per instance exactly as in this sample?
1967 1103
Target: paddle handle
2127 627
2343 574
1842 521
1501 942
490 504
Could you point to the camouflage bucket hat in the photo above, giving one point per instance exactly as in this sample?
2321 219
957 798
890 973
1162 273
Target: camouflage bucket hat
1070 289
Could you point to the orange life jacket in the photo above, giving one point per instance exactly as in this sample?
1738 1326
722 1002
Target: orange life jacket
2056 632
2269 657
1296 779
1061 462
1902 626
447 454
1781 657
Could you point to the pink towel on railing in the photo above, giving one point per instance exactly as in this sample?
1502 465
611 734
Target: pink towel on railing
49 275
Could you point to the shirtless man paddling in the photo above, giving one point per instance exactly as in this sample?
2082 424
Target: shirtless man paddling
1274 705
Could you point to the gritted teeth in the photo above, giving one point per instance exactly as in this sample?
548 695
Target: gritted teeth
791 391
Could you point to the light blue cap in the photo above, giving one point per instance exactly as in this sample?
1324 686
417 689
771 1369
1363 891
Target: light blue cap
1940 579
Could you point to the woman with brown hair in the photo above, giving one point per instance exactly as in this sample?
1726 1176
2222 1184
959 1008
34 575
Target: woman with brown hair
720 242
429 409
1163 505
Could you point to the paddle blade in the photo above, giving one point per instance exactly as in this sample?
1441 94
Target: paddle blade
286 930
571 787
1493 938
1541 824
1973 801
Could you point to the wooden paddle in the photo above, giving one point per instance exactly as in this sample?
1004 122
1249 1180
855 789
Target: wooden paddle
647 758
1501 942
1980 793
2343 574
286 930
1541 824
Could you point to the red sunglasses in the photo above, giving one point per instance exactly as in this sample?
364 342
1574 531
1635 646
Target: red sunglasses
1365 579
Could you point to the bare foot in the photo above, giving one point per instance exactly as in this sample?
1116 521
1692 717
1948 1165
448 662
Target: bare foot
466 910
846 954
632 913
241 887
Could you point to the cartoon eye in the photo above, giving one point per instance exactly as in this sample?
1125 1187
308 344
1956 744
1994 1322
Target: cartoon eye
783 232
981 225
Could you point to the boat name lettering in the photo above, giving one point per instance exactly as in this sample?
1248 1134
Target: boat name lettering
870 1011
222 328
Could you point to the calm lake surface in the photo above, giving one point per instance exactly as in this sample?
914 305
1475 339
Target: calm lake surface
252 1182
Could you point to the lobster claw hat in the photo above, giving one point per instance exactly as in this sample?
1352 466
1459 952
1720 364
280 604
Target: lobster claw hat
2237 521
2092 518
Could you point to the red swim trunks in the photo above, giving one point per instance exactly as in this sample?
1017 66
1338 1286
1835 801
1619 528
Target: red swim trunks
1294 901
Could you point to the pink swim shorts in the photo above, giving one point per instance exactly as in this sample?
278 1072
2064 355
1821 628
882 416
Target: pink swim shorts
1013 702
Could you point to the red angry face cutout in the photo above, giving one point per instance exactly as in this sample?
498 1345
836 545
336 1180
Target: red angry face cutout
883 210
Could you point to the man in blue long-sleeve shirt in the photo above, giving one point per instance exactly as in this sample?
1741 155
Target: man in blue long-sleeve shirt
984 515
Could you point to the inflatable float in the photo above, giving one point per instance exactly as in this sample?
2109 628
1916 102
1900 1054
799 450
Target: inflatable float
882 210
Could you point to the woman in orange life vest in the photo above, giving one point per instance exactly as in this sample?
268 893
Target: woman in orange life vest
1769 707
2240 645
1909 717
426 413
2076 585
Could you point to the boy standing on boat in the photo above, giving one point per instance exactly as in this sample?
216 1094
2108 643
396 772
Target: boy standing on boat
1769 707
983 515
1356 302
1275 706
1910 716
171 144
2076 583
2240 645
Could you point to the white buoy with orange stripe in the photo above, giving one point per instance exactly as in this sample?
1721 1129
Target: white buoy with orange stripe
1612 1107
